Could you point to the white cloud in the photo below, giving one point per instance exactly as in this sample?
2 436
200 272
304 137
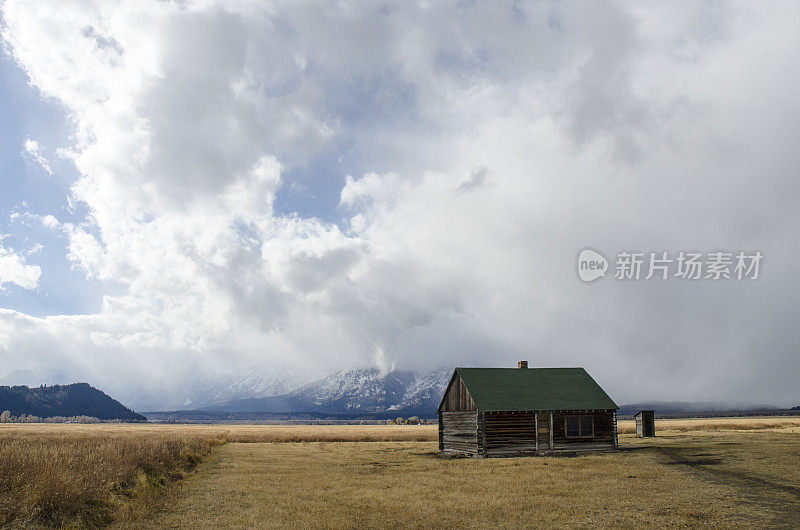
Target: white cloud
33 149
496 141
50 221
14 270
34 249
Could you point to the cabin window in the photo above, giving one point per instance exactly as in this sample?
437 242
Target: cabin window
579 426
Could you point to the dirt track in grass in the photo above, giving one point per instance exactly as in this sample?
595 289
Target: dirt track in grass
729 479
770 481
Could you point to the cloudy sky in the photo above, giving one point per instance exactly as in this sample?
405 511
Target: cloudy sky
189 189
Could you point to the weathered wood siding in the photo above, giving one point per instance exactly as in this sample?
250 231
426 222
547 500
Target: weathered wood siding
605 432
645 424
509 433
543 431
456 397
458 431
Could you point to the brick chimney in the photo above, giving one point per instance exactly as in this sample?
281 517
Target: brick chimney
522 364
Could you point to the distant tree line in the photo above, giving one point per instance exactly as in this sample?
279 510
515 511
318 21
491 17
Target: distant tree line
65 401
7 417
413 420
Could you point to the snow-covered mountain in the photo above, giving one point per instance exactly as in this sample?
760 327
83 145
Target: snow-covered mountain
426 390
257 382
276 387
355 391
200 390
191 389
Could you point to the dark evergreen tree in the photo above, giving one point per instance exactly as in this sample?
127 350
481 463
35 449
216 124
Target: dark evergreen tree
77 399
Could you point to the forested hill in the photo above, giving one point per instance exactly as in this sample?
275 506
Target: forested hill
77 399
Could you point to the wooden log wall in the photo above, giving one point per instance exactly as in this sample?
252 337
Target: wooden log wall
509 433
459 432
482 434
604 431
441 433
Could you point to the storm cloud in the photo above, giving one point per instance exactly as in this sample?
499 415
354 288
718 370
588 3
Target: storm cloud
460 156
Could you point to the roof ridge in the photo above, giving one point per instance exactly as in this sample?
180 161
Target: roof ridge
544 388
515 368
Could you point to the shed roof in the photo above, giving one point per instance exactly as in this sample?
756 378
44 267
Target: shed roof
518 389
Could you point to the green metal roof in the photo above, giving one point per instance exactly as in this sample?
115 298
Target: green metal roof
516 389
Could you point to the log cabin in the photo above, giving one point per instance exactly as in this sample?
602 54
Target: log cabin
525 411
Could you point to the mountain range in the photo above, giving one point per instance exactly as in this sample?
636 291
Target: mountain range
285 392
371 392
259 381
354 391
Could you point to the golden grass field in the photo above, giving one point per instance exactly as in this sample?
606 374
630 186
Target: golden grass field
720 472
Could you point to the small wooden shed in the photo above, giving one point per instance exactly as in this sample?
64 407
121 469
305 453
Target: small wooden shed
645 423
525 411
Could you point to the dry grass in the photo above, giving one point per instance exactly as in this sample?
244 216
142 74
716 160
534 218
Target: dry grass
716 424
53 476
767 456
92 475
238 433
405 484
332 433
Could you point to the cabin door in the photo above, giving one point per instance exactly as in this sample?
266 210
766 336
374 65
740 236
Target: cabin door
543 431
